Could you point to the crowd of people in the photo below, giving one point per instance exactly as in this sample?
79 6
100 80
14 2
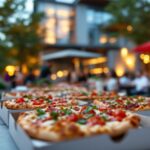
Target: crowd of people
138 84
131 84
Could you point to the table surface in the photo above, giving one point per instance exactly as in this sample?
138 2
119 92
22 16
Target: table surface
6 142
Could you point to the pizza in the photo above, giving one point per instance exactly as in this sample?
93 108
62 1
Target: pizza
31 102
136 103
93 95
65 123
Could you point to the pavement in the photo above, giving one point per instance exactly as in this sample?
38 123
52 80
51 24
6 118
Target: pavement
6 142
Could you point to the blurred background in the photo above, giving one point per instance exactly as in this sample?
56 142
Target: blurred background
103 44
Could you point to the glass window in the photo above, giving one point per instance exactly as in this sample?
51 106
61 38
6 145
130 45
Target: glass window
59 23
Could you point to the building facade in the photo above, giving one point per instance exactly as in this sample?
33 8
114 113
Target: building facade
80 26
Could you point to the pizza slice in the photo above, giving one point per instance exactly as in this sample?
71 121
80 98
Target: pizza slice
136 103
65 123
30 102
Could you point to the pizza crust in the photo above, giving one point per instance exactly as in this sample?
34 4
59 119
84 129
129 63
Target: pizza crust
11 104
64 130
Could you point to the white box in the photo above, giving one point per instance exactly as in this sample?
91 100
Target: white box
135 140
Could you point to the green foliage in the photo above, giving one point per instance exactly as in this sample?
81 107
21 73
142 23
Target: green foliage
22 39
132 12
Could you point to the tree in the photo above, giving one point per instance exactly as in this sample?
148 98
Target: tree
21 30
135 15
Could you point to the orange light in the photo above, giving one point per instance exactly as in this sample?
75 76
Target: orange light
65 72
36 72
103 39
129 28
24 69
96 71
119 70
130 61
53 77
106 70
95 61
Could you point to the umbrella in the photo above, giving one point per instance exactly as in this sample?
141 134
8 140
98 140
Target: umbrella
69 53
143 48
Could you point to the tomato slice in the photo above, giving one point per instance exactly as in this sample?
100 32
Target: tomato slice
94 93
50 97
73 117
119 115
103 109
96 121
20 100
38 102
119 101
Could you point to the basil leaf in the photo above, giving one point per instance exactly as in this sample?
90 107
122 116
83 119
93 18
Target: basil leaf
28 96
89 108
82 121
128 102
105 118
54 115
40 111
49 101
67 111
94 107
140 99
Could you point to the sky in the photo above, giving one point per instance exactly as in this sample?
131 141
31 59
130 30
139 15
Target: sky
29 4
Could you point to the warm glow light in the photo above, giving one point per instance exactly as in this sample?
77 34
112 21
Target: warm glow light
103 39
10 70
53 77
76 63
142 56
130 61
129 28
50 40
112 40
50 33
63 13
60 74
65 72
146 59
119 70
50 23
65 29
95 61
124 52
96 71
24 69
50 12
36 72
106 70
64 22
33 60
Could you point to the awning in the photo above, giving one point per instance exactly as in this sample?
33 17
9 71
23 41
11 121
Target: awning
70 53
144 48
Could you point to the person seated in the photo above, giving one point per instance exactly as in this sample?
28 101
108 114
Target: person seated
141 83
